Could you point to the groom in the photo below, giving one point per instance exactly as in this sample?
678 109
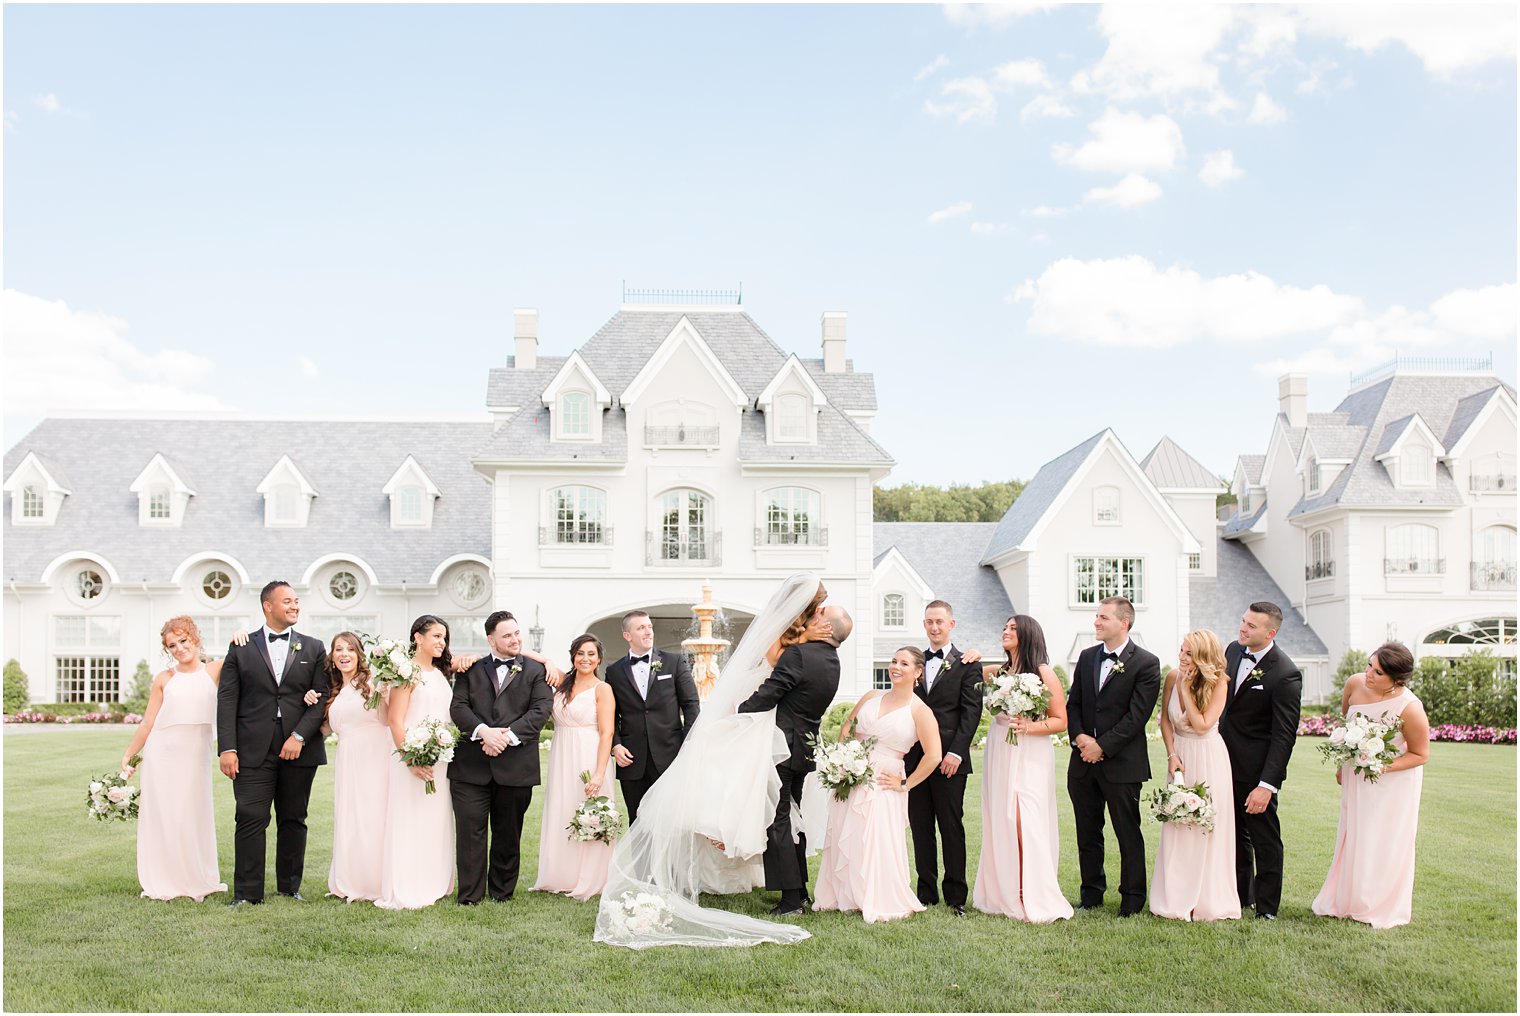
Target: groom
800 689
270 742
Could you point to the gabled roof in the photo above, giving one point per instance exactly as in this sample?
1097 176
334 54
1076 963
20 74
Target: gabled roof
621 347
525 438
1171 468
840 440
1395 432
1336 442
850 391
574 365
1217 603
510 388
792 367
1468 412
946 555
1252 464
410 466
287 466
159 463
685 334
50 470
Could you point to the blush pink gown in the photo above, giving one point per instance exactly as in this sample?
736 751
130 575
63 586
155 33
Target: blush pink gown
1019 798
361 791
176 824
417 866
864 863
564 865
1195 870
1371 878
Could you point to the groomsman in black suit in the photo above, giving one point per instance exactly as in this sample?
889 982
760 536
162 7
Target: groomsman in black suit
270 742
800 688
1259 727
500 704
656 704
1113 693
950 689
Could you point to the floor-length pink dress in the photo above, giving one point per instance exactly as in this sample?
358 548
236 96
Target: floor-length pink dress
361 795
1195 870
1019 800
864 862
176 823
564 865
417 867
1371 877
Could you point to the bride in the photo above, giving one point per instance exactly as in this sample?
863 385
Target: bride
702 827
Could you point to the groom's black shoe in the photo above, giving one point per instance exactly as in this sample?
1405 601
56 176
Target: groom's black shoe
1267 917
957 910
295 896
244 903
783 910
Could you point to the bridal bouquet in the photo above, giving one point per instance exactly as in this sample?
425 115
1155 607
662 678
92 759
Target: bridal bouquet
843 765
1016 695
1364 744
637 914
428 744
1174 802
597 819
390 666
111 796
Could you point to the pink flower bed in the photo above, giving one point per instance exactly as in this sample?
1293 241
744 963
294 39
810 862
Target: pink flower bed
1320 726
82 718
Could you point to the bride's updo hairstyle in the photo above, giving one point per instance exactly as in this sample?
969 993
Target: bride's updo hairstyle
798 628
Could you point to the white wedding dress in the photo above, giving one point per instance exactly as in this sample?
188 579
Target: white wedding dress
721 787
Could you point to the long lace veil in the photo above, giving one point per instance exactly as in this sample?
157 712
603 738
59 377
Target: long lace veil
721 787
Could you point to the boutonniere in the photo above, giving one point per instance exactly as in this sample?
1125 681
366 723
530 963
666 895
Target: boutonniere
1254 675
1118 668
514 670
295 647
655 666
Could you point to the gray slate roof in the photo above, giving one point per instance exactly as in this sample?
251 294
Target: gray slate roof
1466 412
1036 499
840 439
508 386
622 346
1171 468
948 555
1253 464
1239 523
1217 603
224 460
525 437
852 392
1337 440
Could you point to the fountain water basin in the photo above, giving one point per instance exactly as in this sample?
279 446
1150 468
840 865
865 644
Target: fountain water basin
705 648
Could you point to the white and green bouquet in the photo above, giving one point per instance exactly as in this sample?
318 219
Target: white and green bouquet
429 743
1364 744
843 765
596 819
1016 695
1185 805
640 913
111 796
390 666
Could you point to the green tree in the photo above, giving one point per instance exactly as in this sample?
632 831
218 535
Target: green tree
914 502
1228 497
1354 662
17 697
142 683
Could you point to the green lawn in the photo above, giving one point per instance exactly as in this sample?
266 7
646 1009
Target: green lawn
78 937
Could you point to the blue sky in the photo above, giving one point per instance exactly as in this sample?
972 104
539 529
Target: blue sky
1041 220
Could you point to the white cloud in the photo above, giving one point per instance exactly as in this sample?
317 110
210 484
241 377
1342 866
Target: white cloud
993 15
49 103
59 358
1157 50
1043 212
1219 169
1028 73
1265 111
932 66
1487 313
991 228
949 212
966 99
1134 190
1447 38
1045 107
308 366
1125 143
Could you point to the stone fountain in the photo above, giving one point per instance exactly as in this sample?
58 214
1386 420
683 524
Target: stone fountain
704 649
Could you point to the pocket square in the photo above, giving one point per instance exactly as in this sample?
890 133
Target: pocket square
663 677
1258 687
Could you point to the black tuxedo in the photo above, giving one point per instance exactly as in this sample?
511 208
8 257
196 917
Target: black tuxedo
1116 717
956 701
1260 727
255 715
651 727
494 791
800 689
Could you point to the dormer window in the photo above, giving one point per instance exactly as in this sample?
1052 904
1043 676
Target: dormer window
409 505
162 494
575 415
158 504
1315 477
32 502
791 403
791 418
575 399
37 492
412 495
287 495
1417 466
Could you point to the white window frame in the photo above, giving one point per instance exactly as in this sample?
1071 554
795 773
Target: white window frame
33 503
587 523
1321 555
575 416
791 410
692 529
781 507
1105 575
409 502
1417 464
94 657
894 611
1412 548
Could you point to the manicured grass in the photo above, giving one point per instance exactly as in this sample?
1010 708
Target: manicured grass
78 937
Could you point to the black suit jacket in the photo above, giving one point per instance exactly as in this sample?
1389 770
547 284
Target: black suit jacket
1260 721
247 699
800 689
652 728
1117 715
956 701
523 706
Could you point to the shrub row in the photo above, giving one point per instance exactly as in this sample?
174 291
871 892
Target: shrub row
48 717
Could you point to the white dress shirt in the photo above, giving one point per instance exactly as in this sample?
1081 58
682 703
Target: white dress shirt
1105 667
640 670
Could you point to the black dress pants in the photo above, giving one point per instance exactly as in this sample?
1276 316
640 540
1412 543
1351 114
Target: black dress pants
287 787
1091 794
1258 854
501 808
939 801
785 861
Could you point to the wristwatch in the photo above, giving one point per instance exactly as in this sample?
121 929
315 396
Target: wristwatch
298 737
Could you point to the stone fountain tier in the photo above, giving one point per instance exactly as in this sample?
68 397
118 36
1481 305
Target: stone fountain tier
705 648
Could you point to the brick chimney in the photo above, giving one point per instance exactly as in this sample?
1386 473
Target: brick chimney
1293 398
525 336
833 341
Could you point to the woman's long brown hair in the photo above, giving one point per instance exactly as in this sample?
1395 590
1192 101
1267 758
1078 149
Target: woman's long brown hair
335 679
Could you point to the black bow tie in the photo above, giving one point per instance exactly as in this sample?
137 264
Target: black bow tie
1247 656
640 659
1111 656
935 654
500 663
275 638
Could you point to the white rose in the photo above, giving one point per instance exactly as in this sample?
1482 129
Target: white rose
1372 745
445 738
1193 801
118 795
1338 736
96 786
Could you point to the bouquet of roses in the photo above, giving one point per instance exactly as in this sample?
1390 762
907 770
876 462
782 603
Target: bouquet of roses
1016 695
843 765
639 913
428 744
111 796
1174 802
1363 743
596 819
390 666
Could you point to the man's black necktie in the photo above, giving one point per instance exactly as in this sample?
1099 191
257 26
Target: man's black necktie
275 638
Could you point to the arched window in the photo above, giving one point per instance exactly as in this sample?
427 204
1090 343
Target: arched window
1321 557
575 414
1413 549
579 515
684 533
1491 631
32 504
344 586
894 612
1106 505
791 418
1493 566
792 517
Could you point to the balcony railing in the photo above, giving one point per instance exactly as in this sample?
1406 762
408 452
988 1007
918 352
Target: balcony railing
811 536
662 550
1319 570
681 435
1414 566
1491 482
1488 576
588 535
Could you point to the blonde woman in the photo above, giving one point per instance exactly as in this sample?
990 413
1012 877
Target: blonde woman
1195 870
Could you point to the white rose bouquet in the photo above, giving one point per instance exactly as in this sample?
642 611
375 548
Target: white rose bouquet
640 913
843 765
1364 744
429 743
390 666
1175 802
597 818
1016 695
111 796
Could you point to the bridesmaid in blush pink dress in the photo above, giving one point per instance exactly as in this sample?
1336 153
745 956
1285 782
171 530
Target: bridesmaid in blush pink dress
582 742
1371 878
1195 870
1021 841
361 778
176 825
417 863
864 862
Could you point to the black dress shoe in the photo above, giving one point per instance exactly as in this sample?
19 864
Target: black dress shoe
1089 906
245 903
957 910
294 896
1128 913
1267 917
781 910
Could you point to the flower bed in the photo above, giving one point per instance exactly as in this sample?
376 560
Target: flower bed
30 717
1320 726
